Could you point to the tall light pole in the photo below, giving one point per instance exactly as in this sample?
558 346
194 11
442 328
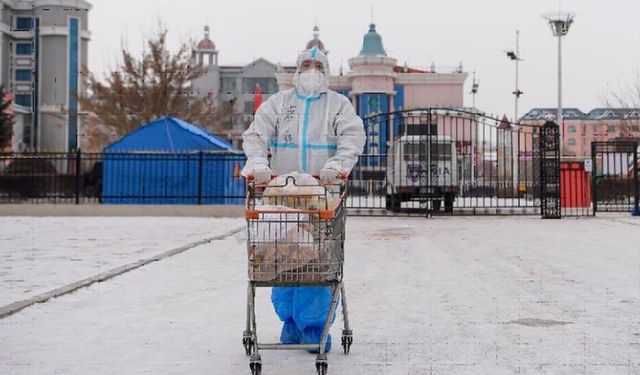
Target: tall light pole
560 23
514 134
515 56
474 146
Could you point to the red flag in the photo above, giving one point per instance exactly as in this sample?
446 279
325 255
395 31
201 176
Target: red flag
257 99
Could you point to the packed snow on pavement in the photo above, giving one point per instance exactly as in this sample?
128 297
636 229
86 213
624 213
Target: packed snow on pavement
41 254
461 295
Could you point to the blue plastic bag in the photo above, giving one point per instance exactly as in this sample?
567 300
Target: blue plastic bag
311 306
303 311
282 300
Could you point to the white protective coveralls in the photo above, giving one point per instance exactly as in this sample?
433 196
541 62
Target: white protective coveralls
304 132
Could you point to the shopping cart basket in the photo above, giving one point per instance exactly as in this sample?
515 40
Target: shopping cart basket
295 237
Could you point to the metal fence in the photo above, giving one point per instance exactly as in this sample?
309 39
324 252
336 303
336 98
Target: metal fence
122 178
447 161
615 177
418 162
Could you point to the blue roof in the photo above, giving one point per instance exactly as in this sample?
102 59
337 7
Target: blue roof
169 134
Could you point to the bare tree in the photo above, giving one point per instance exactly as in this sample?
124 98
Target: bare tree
95 135
626 97
140 90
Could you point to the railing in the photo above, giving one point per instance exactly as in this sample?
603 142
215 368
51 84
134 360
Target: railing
484 184
616 177
122 178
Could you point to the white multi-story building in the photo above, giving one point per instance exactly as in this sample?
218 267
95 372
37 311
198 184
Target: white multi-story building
43 48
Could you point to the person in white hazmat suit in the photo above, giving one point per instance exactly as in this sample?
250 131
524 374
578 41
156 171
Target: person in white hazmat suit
306 129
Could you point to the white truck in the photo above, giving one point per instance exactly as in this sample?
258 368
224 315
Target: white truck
422 168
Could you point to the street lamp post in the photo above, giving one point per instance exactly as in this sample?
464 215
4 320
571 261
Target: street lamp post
515 133
515 56
560 23
474 147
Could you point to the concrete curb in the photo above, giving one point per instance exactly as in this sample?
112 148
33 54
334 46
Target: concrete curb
14 307
121 210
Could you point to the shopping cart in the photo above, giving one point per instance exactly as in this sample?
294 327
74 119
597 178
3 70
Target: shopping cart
295 237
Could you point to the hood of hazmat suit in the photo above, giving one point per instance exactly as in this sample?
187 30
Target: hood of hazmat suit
305 130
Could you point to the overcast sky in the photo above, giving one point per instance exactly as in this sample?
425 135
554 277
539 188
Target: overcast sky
601 52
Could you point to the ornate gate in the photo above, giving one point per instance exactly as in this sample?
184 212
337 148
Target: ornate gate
446 161
615 180
550 171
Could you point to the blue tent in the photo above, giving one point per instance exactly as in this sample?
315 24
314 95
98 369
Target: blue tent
169 161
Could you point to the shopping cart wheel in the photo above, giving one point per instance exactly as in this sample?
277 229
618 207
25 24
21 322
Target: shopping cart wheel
255 365
247 342
321 364
347 340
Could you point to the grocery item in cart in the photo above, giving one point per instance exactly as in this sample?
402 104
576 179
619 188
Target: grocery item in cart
295 190
301 191
281 242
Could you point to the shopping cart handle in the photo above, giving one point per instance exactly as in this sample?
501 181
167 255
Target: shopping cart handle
252 177
341 176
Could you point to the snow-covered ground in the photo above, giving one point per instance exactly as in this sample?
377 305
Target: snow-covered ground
458 295
41 254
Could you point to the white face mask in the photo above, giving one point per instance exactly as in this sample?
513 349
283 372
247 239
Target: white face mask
311 80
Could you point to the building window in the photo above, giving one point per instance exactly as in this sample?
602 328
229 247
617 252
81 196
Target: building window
634 114
24 23
23 100
23 75
24 49
26 135
572 142
227 85
611 129
572 129
267 85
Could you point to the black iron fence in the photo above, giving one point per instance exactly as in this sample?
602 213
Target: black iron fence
615 177
447 161
432 161
122 178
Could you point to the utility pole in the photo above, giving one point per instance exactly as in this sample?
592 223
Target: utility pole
514 132
515 56
474 147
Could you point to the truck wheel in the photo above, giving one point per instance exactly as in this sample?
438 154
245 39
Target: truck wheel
448 202
393 202
437 203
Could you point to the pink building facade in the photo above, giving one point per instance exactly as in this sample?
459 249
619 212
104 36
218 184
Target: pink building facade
580 129
377 84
